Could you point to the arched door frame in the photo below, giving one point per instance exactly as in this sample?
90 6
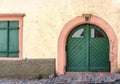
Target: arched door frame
84 19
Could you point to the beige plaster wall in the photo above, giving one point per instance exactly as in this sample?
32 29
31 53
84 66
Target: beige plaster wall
45 19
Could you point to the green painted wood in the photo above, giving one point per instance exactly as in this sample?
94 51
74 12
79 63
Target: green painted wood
87 53
87 48
13 39
76 48
99 52
8 38
3 38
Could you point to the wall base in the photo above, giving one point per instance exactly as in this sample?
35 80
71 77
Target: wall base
27 68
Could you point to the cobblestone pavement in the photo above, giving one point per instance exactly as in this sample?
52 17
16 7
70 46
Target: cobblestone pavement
82 79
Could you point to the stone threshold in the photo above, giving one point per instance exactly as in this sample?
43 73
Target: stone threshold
85 73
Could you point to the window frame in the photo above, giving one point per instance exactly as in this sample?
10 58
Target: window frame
19 18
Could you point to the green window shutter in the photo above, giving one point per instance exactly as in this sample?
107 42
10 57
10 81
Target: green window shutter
3 38
13 39
9 38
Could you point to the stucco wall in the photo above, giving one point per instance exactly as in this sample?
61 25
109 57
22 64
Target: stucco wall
45 19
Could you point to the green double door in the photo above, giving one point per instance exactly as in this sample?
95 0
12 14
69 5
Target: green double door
87 49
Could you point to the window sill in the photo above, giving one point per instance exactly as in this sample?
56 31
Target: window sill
10 58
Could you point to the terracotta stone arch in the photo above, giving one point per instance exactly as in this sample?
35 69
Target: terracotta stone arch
90 19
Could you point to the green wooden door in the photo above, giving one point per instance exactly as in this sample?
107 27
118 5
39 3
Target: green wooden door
87 49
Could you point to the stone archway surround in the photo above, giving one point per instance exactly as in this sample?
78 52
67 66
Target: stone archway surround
61 65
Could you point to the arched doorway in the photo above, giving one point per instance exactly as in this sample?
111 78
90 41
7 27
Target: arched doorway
86 19
87 49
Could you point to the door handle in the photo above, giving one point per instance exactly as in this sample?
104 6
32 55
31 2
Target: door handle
77 47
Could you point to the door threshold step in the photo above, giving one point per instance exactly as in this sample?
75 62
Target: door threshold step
85 73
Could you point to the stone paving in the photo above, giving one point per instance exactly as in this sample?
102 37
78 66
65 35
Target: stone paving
84 79
81 79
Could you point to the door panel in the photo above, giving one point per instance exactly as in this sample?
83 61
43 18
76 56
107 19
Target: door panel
87 49
99 50
76 48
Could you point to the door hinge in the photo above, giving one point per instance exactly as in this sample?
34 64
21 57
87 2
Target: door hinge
66 48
